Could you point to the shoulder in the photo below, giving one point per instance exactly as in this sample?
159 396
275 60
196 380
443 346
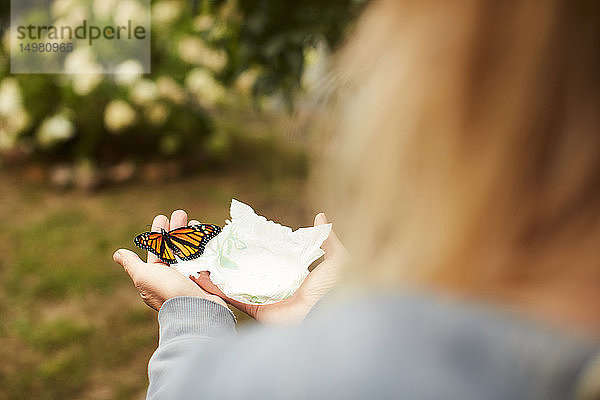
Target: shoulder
407 346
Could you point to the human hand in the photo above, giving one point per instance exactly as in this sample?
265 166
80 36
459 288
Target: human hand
156 281
295 307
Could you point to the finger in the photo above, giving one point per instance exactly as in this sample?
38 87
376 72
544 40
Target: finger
129 261
178 219
194 222
332 244
159 222
320 219
203 280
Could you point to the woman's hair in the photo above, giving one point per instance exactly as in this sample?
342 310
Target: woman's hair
467 145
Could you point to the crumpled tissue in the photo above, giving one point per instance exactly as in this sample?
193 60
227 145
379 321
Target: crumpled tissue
257 261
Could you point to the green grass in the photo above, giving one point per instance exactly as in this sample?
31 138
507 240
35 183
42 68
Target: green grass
71 324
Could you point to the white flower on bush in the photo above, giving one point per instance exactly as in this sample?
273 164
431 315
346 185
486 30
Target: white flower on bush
103 9
61 7
130 10
203 22
18 121
144 92
82 60
157 114
63 21
70 13
57 128
165 13
84 84
246 80
10 96
118 116
170 90
11 126
206 89
13 116
193 50
128 72
190 48
83 70
217 31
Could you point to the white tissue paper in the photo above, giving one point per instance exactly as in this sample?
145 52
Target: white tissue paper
256 261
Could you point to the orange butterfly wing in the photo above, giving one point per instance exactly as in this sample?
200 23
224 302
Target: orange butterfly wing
155 243
188 242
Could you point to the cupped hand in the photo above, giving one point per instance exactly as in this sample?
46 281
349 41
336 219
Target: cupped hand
294 308
156 281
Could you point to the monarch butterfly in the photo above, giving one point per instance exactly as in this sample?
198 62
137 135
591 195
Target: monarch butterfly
187 242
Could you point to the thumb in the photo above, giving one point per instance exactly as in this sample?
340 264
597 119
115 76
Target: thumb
129 261
320 219
332 244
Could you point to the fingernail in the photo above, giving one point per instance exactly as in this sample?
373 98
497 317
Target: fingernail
117 255
322 218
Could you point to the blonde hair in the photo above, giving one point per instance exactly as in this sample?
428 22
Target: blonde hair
467 152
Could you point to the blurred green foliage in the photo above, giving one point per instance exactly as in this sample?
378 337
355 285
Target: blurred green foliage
274 36
206 55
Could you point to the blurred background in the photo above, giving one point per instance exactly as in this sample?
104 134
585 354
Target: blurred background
86 162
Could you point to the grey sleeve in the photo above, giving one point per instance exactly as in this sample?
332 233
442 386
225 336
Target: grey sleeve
186 324
394 347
